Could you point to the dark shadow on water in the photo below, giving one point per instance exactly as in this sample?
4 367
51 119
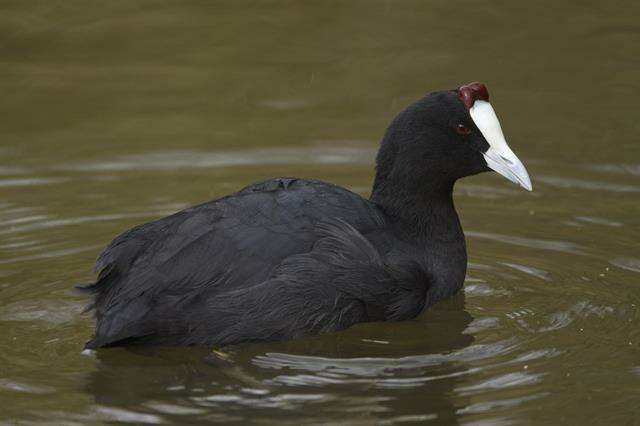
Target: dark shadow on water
376 372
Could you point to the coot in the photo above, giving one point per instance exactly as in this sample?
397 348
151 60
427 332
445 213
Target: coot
287 257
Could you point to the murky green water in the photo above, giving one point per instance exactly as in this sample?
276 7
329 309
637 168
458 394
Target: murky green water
114 113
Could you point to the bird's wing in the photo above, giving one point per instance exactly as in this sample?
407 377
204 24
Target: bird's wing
224 245
343 280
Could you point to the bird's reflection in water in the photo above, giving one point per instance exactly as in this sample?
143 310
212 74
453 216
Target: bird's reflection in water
371 371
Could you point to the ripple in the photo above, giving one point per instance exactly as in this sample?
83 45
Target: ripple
485 192
50 254
482 324
628 263
201 159
56 223
282 401
378 342
14 386
25 219
493 421
479 266
582 309
538 273
482 290
560 182
174 409
599 221
520 313
537 354
505 381
633 169
409 418
51 311
483 407
557 320
126 416
562 246
31 181
375 367
19 244
378 382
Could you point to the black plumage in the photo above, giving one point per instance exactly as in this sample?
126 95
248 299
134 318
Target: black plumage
291 257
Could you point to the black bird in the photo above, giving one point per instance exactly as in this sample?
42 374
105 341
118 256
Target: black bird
287 257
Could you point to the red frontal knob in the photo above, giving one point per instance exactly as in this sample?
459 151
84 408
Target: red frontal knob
469 93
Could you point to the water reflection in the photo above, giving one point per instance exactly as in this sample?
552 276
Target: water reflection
322 373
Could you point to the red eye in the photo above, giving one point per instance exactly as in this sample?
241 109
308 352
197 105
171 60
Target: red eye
461 129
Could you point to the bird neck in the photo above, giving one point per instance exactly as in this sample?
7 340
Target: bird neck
428 213
430 223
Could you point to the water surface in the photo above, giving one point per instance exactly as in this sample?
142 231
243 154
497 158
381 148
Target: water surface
116 113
